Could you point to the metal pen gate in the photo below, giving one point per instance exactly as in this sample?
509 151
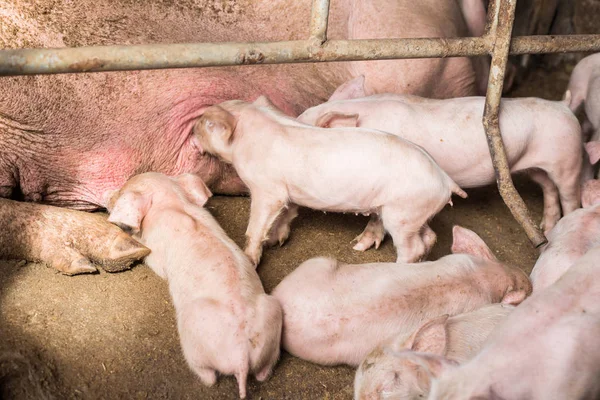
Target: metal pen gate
496 42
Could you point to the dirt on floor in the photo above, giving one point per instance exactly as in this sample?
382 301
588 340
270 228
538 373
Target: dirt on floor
112 336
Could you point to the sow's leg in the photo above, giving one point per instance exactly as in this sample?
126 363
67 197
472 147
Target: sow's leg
65 239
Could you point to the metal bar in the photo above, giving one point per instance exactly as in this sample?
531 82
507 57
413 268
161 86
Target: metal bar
502 23
554 44
159 56
189 55
318 20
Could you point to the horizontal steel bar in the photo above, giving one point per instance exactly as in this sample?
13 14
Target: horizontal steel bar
187 55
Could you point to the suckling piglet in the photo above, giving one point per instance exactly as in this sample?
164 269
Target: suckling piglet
226 322
286 163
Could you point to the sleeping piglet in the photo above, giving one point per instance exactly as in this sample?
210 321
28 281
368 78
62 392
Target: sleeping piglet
226 322
547 348
335 313
402 368
286 163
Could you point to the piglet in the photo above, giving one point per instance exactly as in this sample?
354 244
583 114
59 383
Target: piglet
584 89
570 239
335 313
286 163
395 370
226 322
547 348
541 137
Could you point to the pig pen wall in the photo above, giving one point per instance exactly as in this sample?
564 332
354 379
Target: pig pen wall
113 336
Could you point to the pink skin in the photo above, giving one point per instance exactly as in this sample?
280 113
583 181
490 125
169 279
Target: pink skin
541 136
67 140
226 322
593 150
570 239
402 368
337 313
547 348
341 170
584 86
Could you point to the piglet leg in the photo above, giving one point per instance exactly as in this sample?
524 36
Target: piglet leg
281 228
373 234
68 240
263 213
551 199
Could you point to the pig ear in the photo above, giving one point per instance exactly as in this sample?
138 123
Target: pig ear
593 150
194 188
514 297
335 119
431 337
433 365
129 210
590 193
466 241
217 121
352 89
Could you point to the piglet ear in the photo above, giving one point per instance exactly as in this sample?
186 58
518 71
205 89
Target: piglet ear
593 150
216 121
466 241
431 337
352 89
335 119
590 193
194 188
129 210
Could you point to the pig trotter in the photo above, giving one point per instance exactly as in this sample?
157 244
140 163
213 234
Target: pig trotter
373 234
71 262
280 231
263 214
71 241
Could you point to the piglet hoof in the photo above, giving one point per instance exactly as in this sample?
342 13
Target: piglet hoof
253 255
367 239
280 236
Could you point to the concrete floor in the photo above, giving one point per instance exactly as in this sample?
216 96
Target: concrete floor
110 336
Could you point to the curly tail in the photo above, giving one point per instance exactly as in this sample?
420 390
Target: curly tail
456 190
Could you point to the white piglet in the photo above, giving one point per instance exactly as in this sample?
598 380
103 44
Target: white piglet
570 239
547 348
584 88
226 322
286 163
541 137
336 313
402 368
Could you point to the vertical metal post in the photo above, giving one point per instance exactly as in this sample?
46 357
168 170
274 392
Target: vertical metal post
318 20
502 14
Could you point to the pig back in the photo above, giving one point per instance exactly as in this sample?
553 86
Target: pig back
336 313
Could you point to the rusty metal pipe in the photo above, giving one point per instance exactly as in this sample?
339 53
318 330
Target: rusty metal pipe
318 20
554 44
189 55
159 56
503 12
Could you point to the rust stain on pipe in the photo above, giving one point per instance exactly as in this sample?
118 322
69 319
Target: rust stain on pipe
502 13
